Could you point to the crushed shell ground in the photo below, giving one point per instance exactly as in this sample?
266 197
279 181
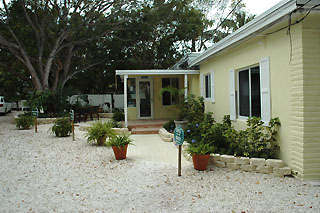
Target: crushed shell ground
42 173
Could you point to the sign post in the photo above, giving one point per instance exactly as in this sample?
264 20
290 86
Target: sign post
179 139
72 122
35 113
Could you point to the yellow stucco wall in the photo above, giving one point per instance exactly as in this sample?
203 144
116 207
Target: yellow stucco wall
294 84
306 153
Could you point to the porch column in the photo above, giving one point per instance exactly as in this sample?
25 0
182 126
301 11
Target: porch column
185 85
125 101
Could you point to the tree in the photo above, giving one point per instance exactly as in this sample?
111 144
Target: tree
47 37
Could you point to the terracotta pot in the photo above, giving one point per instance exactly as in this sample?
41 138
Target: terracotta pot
200 162
121 153
101 140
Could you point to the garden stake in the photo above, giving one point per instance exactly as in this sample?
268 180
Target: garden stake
36 125
179 161
72 130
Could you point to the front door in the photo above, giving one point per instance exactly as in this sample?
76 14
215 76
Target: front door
145 101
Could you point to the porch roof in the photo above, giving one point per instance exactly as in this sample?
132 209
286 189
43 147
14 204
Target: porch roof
157 72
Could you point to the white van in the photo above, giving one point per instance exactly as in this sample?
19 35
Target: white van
4 107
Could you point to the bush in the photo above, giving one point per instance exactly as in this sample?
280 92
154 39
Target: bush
62 127
199 131
24 121
200 149
193 109
169 126
118 115
99 130
256 141
120 141
52 102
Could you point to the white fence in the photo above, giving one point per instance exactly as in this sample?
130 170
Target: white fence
99 100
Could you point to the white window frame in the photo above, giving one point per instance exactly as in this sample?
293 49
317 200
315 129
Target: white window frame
206 87
238 93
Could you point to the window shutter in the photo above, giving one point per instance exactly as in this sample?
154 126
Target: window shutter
265 90
232 95
212 85
201 85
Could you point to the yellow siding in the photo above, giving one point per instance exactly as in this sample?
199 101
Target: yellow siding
294 84
311 96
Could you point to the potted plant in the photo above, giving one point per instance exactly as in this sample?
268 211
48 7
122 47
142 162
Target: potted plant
119 145
200 153
24 121
99 132
62 127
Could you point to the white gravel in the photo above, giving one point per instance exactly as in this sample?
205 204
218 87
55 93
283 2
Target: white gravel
41 173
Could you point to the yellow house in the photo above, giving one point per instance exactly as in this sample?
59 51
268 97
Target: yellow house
268 68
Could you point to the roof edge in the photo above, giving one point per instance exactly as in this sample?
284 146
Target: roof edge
156 72
264 20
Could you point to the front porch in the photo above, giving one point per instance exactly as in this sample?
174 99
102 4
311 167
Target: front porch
142 97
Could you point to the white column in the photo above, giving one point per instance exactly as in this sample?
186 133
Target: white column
185 85
125 79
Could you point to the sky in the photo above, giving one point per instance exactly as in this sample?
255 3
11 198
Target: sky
257 7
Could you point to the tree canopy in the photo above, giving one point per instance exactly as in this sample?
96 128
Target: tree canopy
49 43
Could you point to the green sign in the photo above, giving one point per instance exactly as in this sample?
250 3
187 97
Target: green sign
35 112
72 115
178 135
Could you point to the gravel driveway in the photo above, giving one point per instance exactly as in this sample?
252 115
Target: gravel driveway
42 173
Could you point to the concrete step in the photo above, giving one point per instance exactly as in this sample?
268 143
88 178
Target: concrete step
144 131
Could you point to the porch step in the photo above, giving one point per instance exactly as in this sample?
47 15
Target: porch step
146 127
144 131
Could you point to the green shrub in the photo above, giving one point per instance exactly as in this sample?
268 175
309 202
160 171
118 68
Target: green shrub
62 127
24 121
120 141
199 131
256 141
169 126
52 102
118 115
200 149
193 109
99 130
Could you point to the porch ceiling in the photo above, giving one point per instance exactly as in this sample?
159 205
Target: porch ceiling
156 72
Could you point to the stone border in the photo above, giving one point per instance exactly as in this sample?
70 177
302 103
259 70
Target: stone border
270 166
165 135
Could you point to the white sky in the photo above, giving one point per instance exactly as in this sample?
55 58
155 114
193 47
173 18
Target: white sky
256 7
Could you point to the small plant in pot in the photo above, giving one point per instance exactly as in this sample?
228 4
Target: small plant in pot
200 153
119 145
99 132
24 121
62 127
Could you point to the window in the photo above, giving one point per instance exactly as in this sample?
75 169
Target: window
167 98
131 91
207 86
249 100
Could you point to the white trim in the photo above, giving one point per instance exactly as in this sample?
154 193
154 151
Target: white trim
261 22
205 86
156 72
212 86
150 79
232 95
201 85
265 90
185 86
125 101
